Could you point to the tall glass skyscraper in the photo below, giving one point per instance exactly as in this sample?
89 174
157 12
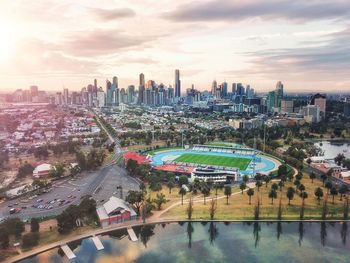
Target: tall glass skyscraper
177 83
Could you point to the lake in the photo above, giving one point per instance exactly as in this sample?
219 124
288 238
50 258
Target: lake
331 149
216 242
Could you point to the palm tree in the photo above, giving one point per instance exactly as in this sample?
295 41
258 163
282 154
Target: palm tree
227 192
258 184
342 191
304 195
281 184
274 186
318 194
334 192
324 178
171 184
328 185
272 195
205 191
242 186
267 179
182 192
297 183
290 194
245 179
312 177
250 193
301 188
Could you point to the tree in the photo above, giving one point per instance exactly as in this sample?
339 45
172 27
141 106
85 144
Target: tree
30 240
333 192
242 186
274 186
159 200
245 178
227 192
282 170
281 184
189 209
81 160
250 193
4 237
299 176
328 185
212 209
131 166
182 192
342 191
318 194
135 198
14 226
272 195
303 196
25 169
290 194
170 184
267 179
34 225
312 177
301 188
205 191
183 180
297 183
258 184
324 178
57 170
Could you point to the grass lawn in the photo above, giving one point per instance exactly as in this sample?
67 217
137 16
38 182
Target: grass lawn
153 152
240 209
240 163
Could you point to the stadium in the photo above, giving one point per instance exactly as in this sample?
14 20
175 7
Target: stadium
218 163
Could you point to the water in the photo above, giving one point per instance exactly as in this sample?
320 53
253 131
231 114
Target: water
216 242
331 149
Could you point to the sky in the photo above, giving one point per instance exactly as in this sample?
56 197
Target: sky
65 43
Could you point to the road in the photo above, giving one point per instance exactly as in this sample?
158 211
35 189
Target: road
100 184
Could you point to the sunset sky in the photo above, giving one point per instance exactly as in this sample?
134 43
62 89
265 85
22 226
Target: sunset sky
56 43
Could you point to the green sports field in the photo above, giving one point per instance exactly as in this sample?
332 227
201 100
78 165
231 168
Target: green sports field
237 162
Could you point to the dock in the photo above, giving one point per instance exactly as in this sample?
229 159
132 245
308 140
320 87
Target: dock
132 234
69 253
97 243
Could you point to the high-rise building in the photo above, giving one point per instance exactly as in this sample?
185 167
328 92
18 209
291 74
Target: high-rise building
34 91
224 89
278 94
101 98
214 87
287 106
131 93
320 100
177 83
141 88
65 96
234 85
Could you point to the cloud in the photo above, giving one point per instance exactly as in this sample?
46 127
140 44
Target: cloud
326 62
297 10
34 56
102 42
113 14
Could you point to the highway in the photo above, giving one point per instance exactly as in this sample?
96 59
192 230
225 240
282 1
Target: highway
101 184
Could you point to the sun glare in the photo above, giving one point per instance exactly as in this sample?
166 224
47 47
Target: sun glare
7 42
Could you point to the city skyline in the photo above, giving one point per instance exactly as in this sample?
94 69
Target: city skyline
302 44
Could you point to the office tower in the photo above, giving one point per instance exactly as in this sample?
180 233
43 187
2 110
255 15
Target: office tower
74 98
278 94
177 83
320 100
65 96
58 98
240 89
101 98
287 106
214 87
234 85
271 100
34 91
131 93
170 93
109 92
224 89
95 84
141 88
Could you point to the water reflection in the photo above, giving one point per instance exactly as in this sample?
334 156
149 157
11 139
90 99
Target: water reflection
190 230
323 233
344 232
215 242
301 232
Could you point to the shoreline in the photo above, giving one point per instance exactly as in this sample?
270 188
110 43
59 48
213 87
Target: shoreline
97 232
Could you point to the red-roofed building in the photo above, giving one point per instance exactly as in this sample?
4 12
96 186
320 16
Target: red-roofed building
140 159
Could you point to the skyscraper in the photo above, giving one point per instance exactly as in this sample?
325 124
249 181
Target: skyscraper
177 83
214 87
278 94
141 89
224 89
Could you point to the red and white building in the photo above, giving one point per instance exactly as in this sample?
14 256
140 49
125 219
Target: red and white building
115 211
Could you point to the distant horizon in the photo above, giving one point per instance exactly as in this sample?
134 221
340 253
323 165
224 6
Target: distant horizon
305 44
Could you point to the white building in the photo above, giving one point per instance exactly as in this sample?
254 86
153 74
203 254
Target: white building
42 170
101 98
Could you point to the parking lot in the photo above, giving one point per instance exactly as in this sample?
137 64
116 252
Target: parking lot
100 184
